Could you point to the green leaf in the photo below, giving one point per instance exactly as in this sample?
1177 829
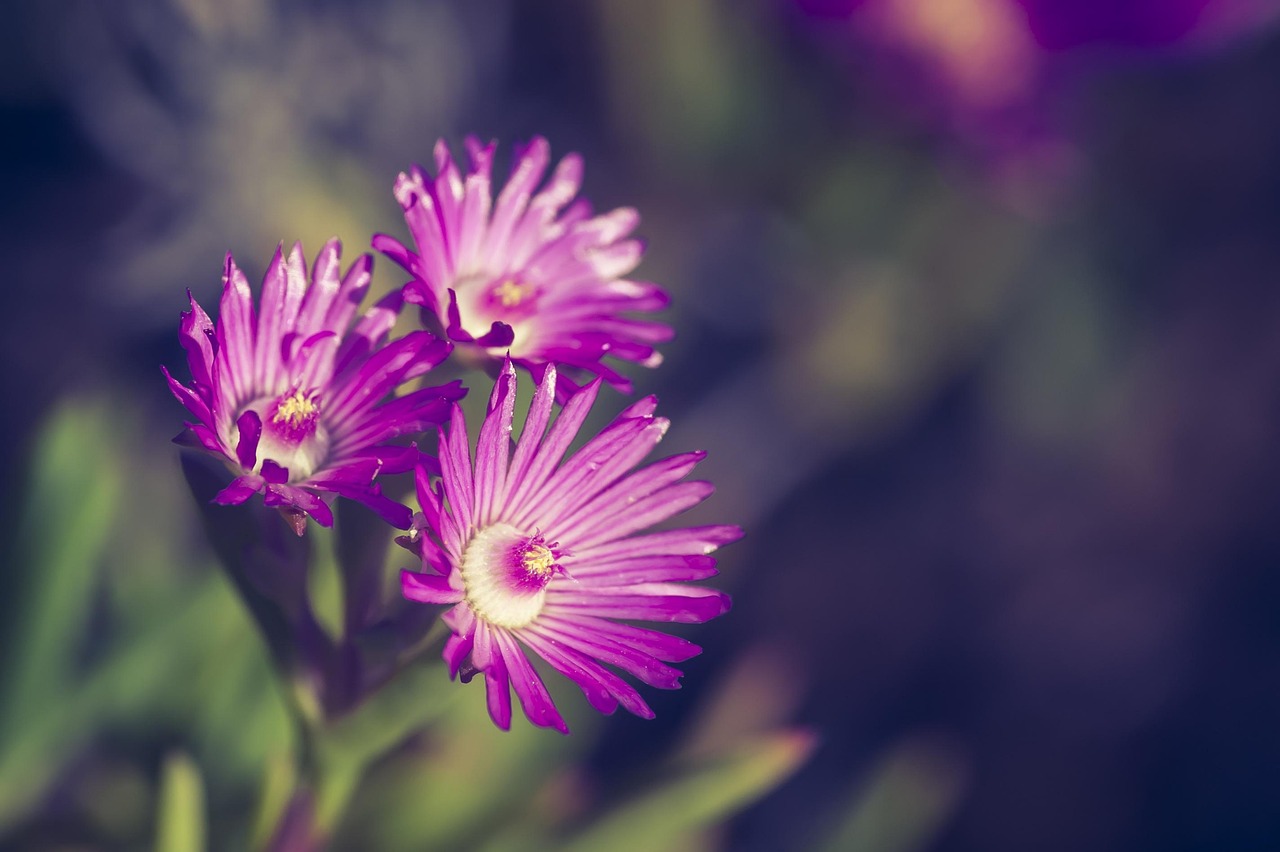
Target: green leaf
29 762
907 800
180 823
698 797
72 498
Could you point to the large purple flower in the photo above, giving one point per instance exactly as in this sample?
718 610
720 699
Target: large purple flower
534 276
295 400
543 556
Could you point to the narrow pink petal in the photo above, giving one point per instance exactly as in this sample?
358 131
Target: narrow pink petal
236 332
647 602
240 489
395 514
624 493
494 445
299 498
203 437
295 289
196 333
487 656
428 498
365 385
664 646
318 300
456 651
586 678
609 227
189 398
616 260
266 357
532 692
249 427
590 675
313 363
515 196
535 426
646 569
405 415
462 621
372 328
549 453
447 192
274 473
351 292
634 662
455 466
688 540
643 513
600 463
428 588
473 221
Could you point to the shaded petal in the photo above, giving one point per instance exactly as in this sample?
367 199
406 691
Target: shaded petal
487 657
240 489
644 513
645 569
249 427
455 466
274 473
689 540
428 588
557 442
626 492
607 650
664 646
197 336
299 498
189 398
462 621
590 676
532 692
646 602
494 446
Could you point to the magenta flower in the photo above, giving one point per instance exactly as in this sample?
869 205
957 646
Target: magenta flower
543 556
295 400
533 277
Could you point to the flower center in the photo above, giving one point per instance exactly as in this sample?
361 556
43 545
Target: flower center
506 572
483 300
292 434
294 416
511 292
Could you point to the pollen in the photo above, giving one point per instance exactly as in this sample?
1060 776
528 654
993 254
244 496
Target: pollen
511 293
296 409
539 561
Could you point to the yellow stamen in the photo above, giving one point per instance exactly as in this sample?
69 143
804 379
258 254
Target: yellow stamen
511 293
539 560
296 408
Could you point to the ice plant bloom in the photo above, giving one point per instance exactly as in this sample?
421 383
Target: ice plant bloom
533 276
296 400
543 556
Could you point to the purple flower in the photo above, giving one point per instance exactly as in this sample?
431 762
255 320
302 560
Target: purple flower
532 276
542 556
295 400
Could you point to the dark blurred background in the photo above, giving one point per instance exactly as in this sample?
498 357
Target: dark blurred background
977 313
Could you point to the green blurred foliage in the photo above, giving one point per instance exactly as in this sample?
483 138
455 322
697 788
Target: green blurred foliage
181 826
132 634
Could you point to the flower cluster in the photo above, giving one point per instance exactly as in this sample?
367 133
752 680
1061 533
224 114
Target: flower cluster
535 549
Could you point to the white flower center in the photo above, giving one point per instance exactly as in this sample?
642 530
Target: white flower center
505 573
483 300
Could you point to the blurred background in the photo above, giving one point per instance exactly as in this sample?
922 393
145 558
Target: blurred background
977 313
